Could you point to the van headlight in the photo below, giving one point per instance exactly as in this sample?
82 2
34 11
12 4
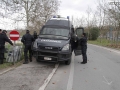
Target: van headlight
66 47
35 45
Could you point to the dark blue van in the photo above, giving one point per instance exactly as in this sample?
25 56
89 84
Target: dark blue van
56 41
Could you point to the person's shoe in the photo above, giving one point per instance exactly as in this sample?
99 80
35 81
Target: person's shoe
83 62
30 60
25 62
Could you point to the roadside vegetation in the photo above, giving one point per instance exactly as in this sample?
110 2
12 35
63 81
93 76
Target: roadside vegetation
7 64
94 38
105 43
102 25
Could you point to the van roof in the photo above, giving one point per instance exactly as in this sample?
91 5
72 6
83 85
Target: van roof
59 22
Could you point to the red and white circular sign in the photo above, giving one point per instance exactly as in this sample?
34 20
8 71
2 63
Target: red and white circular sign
14 35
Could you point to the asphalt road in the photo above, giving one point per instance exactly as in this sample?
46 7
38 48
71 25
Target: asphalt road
102 72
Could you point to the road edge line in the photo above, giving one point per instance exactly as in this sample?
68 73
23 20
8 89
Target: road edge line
70 80
49 78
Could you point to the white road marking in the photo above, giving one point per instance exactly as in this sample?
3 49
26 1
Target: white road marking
70 80
109 49
106 81
49 78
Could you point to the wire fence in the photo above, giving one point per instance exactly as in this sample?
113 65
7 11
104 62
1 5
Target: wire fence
14 53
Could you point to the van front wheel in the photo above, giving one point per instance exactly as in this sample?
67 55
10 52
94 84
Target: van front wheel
68 62
37 59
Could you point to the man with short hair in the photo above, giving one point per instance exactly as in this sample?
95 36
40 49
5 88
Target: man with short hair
27 40
83 43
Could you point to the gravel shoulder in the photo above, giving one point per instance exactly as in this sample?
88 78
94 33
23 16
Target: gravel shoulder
26 77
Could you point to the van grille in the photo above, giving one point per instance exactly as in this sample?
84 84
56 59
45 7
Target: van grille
48 54
48 48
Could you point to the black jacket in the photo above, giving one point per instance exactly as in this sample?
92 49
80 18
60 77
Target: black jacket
3 39
35 36
27 39
83 41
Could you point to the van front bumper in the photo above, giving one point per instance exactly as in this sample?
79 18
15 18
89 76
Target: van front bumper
52 56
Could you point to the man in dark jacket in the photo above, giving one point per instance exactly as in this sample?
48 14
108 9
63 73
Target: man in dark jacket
27 40
35 35
3 39
83 43
5 33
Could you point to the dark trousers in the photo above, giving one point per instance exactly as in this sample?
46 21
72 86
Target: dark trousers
1 58
1 55
84 55
26 49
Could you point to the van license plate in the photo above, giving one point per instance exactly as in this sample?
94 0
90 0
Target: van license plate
47 58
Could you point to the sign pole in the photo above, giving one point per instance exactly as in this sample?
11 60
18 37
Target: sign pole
13 54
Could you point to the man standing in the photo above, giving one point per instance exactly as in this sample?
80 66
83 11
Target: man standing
27 40
83 43
3 39
5 33
35 35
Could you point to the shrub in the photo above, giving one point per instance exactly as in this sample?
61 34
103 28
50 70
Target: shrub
94 33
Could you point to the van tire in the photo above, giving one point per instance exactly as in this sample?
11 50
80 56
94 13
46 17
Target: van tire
37 59
68 62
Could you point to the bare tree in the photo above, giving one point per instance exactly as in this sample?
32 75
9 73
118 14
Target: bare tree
28 11
44 11
102 15
79 22
88 11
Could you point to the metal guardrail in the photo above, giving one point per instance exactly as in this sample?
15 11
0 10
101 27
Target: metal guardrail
14 54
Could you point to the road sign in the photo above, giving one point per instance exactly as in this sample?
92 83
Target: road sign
14 35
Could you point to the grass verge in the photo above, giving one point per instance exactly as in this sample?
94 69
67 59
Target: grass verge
6 65
105 43
10 64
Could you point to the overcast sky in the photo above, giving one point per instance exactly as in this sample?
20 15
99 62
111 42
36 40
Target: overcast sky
76 8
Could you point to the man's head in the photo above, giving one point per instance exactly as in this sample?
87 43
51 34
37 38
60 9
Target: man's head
84 34
35 32
27 31
4 31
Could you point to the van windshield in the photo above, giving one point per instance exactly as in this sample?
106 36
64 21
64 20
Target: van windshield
55 31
